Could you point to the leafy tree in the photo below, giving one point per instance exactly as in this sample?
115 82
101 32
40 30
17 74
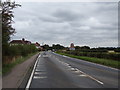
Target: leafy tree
57 46
46 47
117 49
77 48
7 20
85 47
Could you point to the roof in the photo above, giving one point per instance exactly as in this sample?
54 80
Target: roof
17 41
26 42
20 42
37 44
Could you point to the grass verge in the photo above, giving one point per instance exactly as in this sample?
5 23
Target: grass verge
7 67
107 62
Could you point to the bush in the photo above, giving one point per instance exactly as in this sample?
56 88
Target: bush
103 55
21 50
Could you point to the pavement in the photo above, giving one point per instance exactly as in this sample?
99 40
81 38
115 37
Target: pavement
14 78
57 71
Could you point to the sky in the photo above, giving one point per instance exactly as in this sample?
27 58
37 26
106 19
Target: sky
93 24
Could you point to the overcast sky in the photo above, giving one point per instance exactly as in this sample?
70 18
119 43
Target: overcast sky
91 24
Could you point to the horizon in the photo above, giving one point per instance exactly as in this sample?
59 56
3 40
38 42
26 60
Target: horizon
66 46
84 23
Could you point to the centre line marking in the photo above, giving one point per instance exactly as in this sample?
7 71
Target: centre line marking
91 77
95 79
72 68
83 75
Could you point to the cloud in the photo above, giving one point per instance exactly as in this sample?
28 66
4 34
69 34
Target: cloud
66 15
92 24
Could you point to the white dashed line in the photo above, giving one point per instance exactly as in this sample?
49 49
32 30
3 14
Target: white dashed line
39 77
93 63
40 72
72 68
79 71
95 79
37 70
84 74
69 66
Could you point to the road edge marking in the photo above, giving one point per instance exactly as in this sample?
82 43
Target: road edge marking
30 79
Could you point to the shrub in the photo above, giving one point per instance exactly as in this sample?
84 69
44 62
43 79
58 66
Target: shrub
21 50
103 55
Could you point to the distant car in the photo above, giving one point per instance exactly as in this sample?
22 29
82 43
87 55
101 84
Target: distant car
53 50
49 50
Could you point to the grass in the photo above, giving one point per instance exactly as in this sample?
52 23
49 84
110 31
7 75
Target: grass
0 73
107 62
7 67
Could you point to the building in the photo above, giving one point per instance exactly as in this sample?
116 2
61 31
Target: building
25 42
38 46
72 47
20 42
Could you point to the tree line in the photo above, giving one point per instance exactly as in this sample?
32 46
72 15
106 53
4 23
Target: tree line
53 47
100 52
57 47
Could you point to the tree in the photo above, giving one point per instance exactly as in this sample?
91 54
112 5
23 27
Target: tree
85 47
77 48
7 20
57 46
46 47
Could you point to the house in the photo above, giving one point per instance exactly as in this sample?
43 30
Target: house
20 42
72 47
38 46
25 42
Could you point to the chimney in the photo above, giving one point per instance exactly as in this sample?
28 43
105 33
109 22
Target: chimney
23 39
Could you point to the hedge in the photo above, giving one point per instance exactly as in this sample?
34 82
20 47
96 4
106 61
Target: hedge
103 55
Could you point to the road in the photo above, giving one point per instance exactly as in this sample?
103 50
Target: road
58 71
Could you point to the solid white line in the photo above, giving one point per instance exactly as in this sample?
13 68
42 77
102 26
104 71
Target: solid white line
30 79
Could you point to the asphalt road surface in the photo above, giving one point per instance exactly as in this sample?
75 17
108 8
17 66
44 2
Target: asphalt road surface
58 71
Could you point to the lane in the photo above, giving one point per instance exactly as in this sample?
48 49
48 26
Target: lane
48 75
57 71
108 75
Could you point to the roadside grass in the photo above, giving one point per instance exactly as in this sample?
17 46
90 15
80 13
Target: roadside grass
107 62
0 73
7 67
